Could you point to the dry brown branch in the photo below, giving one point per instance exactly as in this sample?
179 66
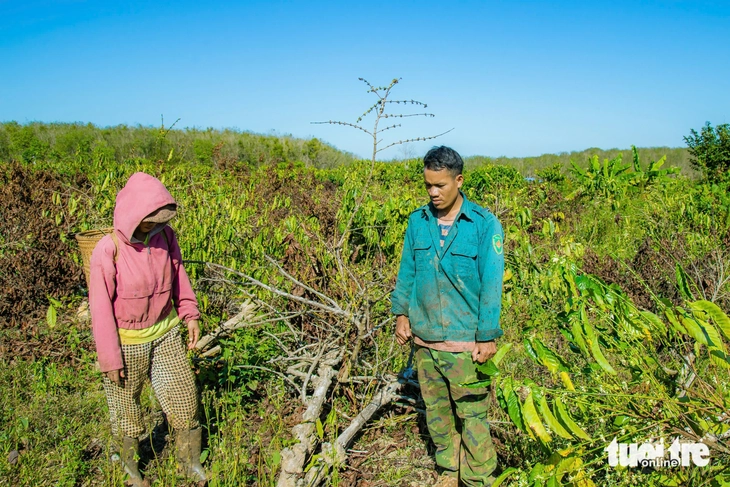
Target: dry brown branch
299 283
279 292
293 457
334 455
212 352
417 139
271 371
243 318
309 373
347 124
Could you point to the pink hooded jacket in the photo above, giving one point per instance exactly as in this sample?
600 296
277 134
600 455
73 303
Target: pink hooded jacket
146 281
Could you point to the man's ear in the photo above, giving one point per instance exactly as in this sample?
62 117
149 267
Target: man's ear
459 180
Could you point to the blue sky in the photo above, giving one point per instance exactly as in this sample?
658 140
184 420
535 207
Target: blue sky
512 78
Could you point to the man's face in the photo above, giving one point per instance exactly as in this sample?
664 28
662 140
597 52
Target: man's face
443 187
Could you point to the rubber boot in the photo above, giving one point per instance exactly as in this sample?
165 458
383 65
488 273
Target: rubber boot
188 455
128 456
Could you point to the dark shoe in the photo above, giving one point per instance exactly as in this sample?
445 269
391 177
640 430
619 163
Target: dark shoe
188 455
128 456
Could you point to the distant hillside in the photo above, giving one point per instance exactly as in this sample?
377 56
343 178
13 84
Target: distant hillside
676 156
228 148
77 142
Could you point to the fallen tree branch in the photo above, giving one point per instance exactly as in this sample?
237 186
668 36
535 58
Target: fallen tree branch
334 455
293 457
315 304
243 318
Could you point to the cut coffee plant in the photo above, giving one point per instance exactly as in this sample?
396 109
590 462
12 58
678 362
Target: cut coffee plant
332 302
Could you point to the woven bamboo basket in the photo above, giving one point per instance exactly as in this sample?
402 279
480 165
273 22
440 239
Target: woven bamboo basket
87 241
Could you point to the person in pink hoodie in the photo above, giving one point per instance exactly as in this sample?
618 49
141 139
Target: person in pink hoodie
138 294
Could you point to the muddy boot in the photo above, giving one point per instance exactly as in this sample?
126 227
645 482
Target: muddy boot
128 456
188 455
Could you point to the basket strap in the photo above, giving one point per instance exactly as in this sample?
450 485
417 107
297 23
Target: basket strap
116 243
167 241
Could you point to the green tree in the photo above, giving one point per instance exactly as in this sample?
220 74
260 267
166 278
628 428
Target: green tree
710 150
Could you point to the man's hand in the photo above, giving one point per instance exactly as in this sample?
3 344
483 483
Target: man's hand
193 333
402 329
115 376
483 351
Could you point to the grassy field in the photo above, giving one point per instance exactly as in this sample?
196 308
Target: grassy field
614 293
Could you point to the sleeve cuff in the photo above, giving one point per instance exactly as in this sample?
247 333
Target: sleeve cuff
399 310
489 334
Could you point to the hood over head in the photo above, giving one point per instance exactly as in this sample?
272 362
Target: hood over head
142 195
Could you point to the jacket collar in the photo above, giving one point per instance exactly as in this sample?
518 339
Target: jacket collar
431 215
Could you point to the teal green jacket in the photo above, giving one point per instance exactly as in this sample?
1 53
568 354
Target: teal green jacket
455 292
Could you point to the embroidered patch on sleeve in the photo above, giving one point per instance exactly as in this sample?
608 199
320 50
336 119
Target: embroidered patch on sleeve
497 243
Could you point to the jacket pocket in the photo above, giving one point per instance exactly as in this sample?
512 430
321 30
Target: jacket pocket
422 252
133 304
464 259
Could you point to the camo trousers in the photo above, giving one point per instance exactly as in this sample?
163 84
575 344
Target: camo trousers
165 362
456 416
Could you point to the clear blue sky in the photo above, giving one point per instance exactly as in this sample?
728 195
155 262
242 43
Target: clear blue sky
511 78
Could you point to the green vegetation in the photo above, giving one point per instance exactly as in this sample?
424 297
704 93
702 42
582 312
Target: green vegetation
710 150
615 286
532 166
79 144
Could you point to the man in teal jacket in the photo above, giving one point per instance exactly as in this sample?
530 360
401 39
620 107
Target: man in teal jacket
448 299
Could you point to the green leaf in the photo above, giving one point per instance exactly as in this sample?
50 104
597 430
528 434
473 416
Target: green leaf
51 316
674 322
507 473
712 337
530 351
513 409
578 337
694 330
488 368
547 357
536 472
720 358
501 353
683 282
551 421
621 420
567 465
717 315
596 349
533 419
561 413
204 455
320 429
314 461
565 377
655 321
635 154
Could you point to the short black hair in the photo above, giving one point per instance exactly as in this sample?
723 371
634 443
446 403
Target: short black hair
443 157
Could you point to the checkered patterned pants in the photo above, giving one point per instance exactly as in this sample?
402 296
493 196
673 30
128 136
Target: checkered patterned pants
165 362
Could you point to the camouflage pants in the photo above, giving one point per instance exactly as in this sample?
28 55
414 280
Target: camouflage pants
456 416
165 362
